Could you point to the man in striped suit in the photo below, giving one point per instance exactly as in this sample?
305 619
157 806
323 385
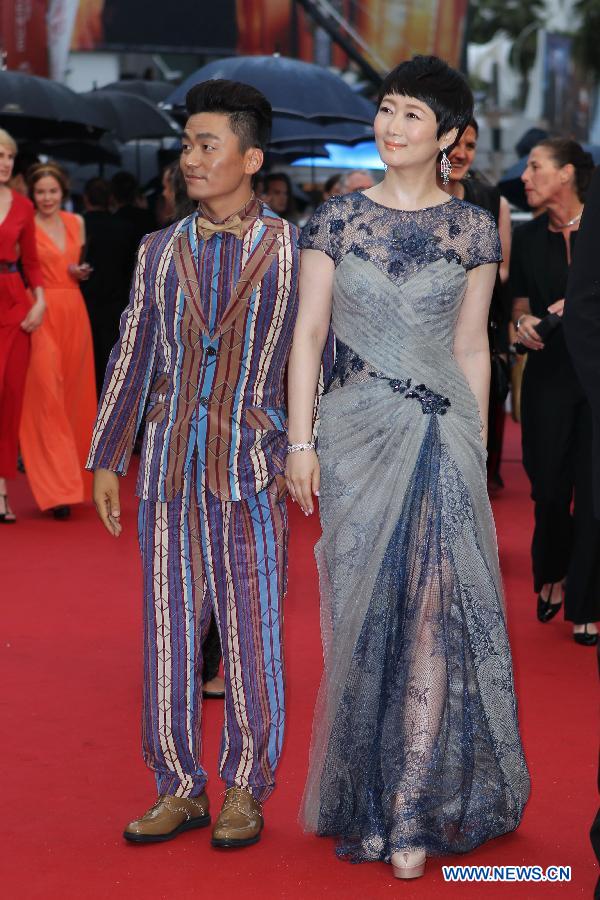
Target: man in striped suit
202 351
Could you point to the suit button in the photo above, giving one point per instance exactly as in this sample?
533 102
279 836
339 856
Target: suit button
204 401
210 351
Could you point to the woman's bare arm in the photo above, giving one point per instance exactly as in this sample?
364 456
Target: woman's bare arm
505 231
471 343
310 335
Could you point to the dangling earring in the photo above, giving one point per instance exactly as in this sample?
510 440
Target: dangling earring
445 168
385 167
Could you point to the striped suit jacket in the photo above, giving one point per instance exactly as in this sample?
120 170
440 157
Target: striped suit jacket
219 393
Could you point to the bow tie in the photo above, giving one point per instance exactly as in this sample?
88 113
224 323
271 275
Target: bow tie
206 228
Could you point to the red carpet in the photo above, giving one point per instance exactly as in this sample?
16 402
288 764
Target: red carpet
71 671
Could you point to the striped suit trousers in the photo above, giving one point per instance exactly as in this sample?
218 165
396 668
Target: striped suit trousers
199 554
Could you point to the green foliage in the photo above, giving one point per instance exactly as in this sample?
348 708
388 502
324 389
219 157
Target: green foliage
586 38
488 17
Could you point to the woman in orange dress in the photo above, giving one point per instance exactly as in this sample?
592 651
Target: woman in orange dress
60 395
19 316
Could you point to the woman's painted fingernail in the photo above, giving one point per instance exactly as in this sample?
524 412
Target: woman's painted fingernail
317 494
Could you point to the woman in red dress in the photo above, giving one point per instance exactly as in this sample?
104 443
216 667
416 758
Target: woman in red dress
19 317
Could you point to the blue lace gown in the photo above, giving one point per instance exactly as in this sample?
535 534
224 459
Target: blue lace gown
415 738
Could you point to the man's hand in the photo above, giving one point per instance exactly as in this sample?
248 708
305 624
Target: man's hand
106 498
557 307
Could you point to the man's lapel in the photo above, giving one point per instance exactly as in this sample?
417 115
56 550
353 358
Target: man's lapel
185 255
263 245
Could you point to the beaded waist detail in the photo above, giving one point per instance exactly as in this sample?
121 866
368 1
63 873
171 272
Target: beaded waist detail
349 368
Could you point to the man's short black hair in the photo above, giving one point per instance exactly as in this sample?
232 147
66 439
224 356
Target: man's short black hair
249 111
97 192
278 176
434 82
124 187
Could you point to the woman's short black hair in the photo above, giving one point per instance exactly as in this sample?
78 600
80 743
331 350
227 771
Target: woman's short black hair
432 81
249 111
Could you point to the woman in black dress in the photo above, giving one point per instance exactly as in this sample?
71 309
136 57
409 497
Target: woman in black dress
556 417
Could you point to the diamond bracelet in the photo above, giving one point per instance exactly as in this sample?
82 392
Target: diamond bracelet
294 448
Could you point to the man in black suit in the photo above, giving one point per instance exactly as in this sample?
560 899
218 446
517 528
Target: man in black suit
581 323
581 318
125 192
111 245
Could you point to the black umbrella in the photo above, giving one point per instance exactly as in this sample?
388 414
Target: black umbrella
106 150
292 130
129 117
37 108
292 87
529 140
79 174
154 91
288 154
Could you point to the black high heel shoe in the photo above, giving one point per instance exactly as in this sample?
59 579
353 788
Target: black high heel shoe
585 637
545 609
7 516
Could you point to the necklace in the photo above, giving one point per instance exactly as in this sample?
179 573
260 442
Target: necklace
569 223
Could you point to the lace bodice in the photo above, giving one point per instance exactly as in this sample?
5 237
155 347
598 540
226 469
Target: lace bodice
401 242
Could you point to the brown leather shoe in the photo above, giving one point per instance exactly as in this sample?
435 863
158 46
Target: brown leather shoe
167 818
240 821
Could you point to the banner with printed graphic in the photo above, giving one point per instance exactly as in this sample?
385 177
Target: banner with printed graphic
23 39
389 30
199 26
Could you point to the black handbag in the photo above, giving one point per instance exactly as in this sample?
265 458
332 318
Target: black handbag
500 378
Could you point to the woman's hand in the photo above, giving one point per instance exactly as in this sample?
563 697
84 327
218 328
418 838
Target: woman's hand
81 272
34 317
526 333
303 477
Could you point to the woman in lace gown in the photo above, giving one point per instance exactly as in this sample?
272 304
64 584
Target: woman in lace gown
416 746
